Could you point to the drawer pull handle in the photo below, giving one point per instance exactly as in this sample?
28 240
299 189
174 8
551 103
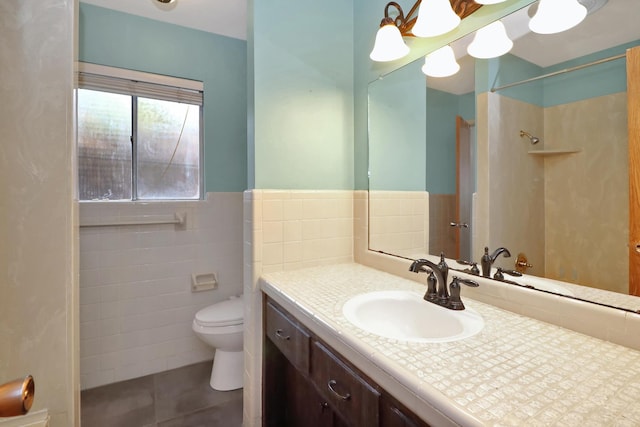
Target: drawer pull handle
279 333
331 384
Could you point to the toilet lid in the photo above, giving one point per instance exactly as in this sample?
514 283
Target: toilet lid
225 313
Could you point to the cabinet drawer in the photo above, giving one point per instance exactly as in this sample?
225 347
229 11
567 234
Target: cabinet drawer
392 416
291 340
353 398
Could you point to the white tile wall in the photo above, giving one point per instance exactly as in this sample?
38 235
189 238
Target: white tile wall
306 228
136 304
399 222
286 230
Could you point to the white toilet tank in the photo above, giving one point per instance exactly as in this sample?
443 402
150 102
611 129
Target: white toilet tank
226 313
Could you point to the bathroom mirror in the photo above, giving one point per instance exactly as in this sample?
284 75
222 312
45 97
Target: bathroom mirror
563 201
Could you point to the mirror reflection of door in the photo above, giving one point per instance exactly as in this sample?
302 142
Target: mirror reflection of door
464 188
450 215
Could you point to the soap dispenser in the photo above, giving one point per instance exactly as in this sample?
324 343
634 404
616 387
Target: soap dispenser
485 262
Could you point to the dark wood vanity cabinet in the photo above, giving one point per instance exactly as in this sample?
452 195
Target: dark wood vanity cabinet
308 384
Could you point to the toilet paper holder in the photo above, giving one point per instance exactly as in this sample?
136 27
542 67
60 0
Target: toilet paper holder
203 282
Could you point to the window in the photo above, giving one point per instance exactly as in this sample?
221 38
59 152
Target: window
139 136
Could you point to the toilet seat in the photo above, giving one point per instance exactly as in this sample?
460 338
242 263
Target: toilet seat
225 313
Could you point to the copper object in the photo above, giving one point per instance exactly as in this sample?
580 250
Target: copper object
16 397
462 8
521 263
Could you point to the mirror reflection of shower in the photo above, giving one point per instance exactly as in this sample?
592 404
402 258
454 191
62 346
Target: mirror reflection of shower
533 139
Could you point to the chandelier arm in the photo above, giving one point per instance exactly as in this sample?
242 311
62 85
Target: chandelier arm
462 8
398 7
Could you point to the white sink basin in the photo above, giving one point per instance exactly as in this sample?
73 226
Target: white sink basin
404 315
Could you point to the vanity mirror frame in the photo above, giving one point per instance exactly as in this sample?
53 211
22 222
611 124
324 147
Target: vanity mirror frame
634 180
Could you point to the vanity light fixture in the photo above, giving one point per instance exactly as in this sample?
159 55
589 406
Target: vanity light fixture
490 41
441 63
427 18
489 1
555 16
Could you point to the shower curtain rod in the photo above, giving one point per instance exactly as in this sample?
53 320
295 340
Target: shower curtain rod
555 73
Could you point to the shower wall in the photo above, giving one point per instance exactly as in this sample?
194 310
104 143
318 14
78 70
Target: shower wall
514 179
136 304
586 194
567 212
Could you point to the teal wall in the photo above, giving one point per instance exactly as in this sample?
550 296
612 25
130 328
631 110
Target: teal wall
597 80
397 146
442 109
467 106
302 94
590 82
117 39
508 69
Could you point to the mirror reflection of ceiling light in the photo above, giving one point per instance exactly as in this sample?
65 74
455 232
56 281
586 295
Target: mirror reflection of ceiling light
435 17
389 44
555 16
490 42
441 63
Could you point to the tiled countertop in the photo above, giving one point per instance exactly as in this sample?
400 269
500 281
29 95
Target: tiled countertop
516 372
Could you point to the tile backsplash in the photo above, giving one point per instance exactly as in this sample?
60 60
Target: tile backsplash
136 304
286 230
399 221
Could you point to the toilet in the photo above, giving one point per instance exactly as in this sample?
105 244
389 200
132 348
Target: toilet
220 326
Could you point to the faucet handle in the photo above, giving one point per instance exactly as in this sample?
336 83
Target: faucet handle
474 266
432 288
455 303
500 276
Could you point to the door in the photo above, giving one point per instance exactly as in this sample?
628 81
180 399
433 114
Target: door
38 227
464 188
633 120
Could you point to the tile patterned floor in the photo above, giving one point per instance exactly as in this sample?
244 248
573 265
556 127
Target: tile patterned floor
177 398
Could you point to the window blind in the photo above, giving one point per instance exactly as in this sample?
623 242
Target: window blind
127 82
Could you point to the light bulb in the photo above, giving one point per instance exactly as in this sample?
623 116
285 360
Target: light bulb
389 45
490 42
555 16
435 17
441 63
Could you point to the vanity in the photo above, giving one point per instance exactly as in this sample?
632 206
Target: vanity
309 383
320 369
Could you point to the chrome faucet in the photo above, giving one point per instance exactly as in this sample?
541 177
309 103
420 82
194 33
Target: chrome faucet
437 289
487 260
